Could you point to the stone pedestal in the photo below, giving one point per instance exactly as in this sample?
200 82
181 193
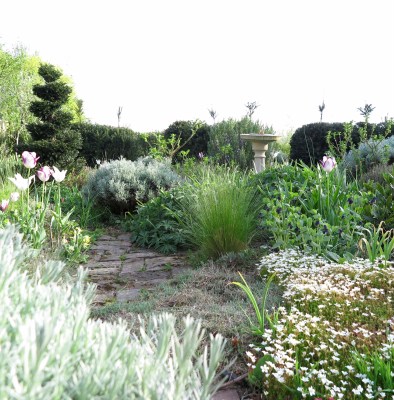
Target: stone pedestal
259 146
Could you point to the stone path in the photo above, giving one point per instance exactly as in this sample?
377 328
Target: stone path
120 271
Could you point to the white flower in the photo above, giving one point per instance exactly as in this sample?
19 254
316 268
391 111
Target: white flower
57 175
20 182
14 196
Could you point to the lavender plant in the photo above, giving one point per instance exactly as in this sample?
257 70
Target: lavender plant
52 350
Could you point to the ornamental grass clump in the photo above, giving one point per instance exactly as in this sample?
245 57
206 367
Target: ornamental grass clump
334 335
122 184
50 349
219 211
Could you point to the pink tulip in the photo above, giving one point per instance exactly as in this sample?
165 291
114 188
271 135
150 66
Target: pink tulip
44 173
29 159
4 205
328 163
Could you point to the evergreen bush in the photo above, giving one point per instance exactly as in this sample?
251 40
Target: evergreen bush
121 184
52 350
102 142
198 143
309 143
51 136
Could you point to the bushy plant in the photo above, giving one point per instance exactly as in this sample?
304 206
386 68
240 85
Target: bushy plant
52 350
368 155
156 223
309 143
380 201
121 184
51 135
193 135
225 145
102 142
311 209
219 211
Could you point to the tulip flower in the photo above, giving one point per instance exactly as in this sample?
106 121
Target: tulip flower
20 182
14 196
4 205
328 163
57 175
29 159
44 173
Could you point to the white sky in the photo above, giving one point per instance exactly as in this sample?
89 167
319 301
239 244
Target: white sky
169 60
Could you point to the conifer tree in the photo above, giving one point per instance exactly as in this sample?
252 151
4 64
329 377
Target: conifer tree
52 137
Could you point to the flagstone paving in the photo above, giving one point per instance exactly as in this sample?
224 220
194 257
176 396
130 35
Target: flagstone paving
120 271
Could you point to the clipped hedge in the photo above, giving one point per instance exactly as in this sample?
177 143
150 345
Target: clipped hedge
103 142
52 350
309 143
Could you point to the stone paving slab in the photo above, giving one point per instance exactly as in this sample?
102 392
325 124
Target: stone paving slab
124 296
118 268
226 394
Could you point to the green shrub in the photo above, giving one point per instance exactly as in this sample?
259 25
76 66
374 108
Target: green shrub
51 136
52 350
308 208
368 155
309 143
219 212
121 184
156 224
225 145
183 130
376 173
102 142
381 200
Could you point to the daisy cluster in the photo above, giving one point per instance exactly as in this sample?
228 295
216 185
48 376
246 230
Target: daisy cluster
335 333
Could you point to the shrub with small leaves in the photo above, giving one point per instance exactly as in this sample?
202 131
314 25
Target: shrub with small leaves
122 184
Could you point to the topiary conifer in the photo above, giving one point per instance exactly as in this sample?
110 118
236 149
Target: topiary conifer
51 136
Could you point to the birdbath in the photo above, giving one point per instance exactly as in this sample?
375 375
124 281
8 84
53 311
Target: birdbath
259 146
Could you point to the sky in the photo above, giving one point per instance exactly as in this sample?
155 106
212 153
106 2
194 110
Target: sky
169 60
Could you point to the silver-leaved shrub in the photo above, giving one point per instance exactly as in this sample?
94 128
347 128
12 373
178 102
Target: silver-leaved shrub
121 184
369 154
50 349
